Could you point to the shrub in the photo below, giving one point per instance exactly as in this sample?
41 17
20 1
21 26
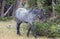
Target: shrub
5 18
42 28
49 29
57 9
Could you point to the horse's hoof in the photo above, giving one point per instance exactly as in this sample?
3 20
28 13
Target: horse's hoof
27 35
18 34
35 37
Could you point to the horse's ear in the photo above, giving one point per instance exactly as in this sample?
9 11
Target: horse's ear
41 9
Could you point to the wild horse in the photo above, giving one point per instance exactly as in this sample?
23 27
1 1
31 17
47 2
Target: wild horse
29 16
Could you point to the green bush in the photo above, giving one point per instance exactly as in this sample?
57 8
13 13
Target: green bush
49 29
57 9
42 28
5 18
48 10
10 1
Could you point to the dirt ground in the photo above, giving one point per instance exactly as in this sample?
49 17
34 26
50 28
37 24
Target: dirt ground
8 31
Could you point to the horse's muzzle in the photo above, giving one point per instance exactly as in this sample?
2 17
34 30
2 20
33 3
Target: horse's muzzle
43 20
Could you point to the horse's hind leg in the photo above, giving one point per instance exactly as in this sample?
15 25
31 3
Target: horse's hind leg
28 31
18 28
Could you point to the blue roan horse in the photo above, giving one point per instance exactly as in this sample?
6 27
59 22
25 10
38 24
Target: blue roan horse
29 16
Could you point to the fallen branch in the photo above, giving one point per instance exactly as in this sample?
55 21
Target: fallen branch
8 10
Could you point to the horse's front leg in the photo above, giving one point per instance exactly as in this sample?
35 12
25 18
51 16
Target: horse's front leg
33 29
18 28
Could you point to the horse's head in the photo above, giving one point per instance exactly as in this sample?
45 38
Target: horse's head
40 13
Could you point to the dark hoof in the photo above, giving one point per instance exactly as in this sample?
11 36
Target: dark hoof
27 35
35 38
18 34
35 35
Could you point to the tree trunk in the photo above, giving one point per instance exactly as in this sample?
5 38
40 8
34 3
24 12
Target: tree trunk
53 15
53 8
18 4
2 11
15 7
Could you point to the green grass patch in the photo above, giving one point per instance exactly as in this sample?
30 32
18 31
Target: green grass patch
5 18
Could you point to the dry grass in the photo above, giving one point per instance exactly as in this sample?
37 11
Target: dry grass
8 31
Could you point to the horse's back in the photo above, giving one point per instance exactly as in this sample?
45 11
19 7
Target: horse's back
25 15
21 10
21 13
